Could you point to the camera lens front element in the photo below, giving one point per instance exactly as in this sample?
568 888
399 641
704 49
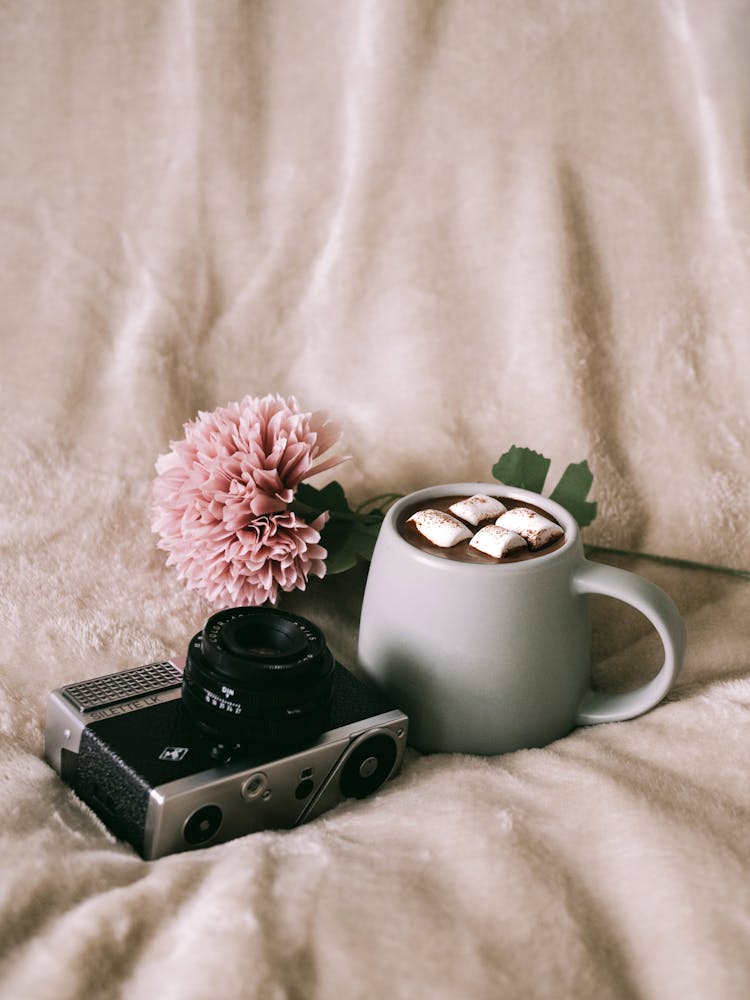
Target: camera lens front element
265 638
259 675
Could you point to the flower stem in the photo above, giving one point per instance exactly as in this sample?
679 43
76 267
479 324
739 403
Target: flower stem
669 561
387 497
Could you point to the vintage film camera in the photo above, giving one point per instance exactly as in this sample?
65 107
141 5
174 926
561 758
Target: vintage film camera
260 729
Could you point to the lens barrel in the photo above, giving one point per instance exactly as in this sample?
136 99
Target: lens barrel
258 675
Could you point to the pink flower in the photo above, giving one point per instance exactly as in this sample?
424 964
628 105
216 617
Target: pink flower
221 497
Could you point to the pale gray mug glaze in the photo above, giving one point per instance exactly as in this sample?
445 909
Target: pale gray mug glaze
492 658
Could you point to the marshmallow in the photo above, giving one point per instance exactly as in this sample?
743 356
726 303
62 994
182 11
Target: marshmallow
440 528
535 528
497 542
477 509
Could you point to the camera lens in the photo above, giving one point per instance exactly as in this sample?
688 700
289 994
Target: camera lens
266 638
258 675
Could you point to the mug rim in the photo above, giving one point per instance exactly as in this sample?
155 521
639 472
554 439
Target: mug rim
499 490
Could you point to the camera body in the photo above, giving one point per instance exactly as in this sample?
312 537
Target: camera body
131 748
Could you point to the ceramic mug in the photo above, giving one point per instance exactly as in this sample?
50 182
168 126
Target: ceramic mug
489 658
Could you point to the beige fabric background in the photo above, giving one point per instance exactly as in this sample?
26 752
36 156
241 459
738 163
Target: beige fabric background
457 226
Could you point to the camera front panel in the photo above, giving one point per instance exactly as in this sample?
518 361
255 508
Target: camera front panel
245 797
239 798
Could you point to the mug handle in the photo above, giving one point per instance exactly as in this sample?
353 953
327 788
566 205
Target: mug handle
650 600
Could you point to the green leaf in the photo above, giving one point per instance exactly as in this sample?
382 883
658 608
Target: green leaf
331 497
348 541
348 535
572 490
528 469
523 468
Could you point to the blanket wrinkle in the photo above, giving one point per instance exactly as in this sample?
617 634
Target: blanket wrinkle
290 943
668 795
104 937
724 683
529 225
43 907
706 120
597 381
586 911
607 850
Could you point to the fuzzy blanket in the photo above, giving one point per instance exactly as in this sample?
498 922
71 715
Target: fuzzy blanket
456 226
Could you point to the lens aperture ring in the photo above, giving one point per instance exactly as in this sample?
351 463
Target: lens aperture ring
214 691
228 722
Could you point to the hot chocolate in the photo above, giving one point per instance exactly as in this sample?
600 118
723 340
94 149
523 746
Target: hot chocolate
423 517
